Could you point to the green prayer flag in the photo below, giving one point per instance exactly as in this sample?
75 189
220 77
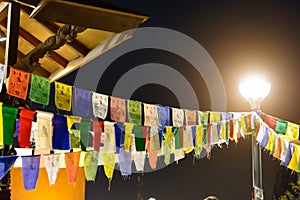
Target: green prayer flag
134 112
74 138
177 137
39 89
281 126
91 165
84 133
9 115
204 141
139 138
203 117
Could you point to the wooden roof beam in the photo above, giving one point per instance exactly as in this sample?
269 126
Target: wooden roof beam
38 71
35 42
80 48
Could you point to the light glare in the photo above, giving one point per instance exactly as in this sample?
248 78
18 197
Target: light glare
254 87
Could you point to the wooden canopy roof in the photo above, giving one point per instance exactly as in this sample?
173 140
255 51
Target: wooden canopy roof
40 20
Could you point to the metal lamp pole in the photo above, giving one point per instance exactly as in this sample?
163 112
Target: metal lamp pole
254 90
256 157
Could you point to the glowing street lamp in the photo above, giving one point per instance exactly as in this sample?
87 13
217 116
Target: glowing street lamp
254 90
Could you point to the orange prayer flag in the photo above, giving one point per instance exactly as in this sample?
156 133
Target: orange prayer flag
72 162
117 109
18 83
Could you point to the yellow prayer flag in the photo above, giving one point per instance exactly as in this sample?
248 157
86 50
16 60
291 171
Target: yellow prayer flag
199 135
295 159
292 131
109 165
128 134
223 130
71 120
63 96
214 117
271 142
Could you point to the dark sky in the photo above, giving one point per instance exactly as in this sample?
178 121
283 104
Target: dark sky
242 37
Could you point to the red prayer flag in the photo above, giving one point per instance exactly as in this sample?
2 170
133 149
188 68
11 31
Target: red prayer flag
26 117
18 83
98 127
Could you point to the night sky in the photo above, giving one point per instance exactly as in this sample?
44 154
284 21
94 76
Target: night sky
241 37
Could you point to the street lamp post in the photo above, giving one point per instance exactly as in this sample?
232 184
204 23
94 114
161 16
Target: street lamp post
254 90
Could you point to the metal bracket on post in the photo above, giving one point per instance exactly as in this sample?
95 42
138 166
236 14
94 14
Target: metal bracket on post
258 193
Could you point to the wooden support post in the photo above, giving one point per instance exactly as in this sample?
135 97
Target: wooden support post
11 50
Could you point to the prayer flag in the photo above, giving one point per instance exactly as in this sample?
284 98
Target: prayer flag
281 126
72 162
6 162
82 100
63 96
125 162
60 138
26 118
178 117
109 165
85 126
44 130
128 135
18 83
30 171
190 117
97 127
163 115
39 89
292 131
151 115
110 138
100 105
9 115
52 164
134 112
139 137
117 109
91 165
